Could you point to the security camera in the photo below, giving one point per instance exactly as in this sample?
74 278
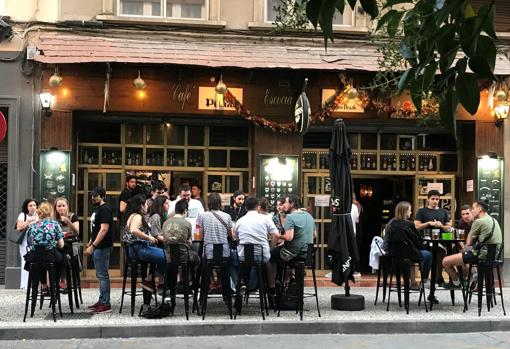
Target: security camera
5 31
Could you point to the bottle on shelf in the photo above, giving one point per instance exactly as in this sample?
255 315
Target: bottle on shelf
85 159
113 159
129 159
137 159
413 164
431 164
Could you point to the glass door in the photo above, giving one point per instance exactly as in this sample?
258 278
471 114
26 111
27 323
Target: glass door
445 184
223 183
316 192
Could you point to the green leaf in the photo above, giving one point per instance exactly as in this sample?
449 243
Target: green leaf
447 59
469 11
469 36
385 18
390 3
447 108
461 65
488 25
404 80
428 75
468 92
340 6
416 90
445 38
479 66
393 24
486 49
370 7
352 3
313 9
326 14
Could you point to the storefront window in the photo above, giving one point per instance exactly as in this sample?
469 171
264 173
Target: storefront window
175 134
134 134
154 134
277 7
217 158
239 158
192 9
196 135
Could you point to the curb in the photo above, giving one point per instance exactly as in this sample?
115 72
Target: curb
255 328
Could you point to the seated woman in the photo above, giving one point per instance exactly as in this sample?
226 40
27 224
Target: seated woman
402 239
141 244
157 216
43 239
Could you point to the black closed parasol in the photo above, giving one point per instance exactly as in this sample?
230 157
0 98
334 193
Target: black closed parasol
341 241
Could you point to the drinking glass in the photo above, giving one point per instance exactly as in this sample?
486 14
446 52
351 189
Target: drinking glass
197 236
461 233
435 234
426 234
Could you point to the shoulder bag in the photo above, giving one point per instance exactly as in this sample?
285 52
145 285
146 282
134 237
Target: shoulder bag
477 246
231 241
15 235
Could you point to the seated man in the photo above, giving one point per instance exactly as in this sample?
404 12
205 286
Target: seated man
299 232
254 228
177 230
486 230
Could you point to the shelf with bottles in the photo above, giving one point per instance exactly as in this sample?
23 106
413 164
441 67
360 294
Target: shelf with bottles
309 160
195 158
388 161
175 157
111 156
89 155
427 162
368 162
134 157
407 162
154 157
323 161
354 161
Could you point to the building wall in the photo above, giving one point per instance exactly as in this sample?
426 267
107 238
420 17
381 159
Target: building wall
16 94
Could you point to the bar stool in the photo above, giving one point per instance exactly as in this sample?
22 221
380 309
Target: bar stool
221 265
176 262
486 275
299 265
137 268
246 265
34 274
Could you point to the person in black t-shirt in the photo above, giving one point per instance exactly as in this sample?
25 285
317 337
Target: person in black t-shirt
237 210
434 217
125 195
100 247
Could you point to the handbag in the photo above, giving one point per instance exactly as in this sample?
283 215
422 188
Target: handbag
477 246
15 235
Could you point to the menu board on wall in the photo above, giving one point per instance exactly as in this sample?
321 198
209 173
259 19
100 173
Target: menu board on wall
490 186
279 176
55 177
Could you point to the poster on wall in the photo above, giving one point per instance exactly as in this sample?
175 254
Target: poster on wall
279 176
490 186
55 177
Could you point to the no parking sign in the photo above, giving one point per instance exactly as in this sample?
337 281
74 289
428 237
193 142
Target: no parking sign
3 127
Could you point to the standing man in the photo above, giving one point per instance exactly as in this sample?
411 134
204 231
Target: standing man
196 193
157 189
237 210
434 217
125 195
466 219
194 206
100 247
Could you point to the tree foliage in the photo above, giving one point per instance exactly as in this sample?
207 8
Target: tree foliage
445 35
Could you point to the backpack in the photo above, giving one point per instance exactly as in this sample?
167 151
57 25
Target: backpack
160 311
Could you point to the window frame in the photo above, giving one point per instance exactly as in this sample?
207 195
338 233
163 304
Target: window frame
163 12
352 25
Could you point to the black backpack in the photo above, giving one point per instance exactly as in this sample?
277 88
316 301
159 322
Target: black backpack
160 311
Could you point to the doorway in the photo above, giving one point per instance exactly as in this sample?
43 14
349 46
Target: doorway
378 197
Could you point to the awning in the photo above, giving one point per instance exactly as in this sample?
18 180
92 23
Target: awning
214 50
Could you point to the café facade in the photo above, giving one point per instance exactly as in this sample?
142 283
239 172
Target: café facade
156 108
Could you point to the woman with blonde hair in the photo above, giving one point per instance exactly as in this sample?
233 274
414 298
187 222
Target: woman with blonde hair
68 220
402 239
44 238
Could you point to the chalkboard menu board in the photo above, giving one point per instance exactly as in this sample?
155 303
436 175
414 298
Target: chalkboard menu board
55 180
279 175
490 186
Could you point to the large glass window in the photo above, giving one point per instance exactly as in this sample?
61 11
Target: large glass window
338 19
193 9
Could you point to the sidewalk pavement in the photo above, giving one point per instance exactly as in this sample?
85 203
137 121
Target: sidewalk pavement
445 318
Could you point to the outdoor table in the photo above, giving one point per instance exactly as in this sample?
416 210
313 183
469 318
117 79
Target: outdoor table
449 244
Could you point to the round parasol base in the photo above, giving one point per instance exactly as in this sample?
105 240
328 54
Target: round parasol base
352 302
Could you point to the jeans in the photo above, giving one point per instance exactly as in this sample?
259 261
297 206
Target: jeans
250 278
427 263
101 258
150 254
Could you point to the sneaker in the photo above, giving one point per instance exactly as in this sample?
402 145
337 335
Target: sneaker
103 309
357 274
147 286
93 306
242 290
433 300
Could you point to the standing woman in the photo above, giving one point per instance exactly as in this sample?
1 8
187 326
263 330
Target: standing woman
27 217
68 220
158 215
141 244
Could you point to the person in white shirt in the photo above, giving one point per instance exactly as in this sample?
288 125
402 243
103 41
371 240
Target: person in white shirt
254 228
194 206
